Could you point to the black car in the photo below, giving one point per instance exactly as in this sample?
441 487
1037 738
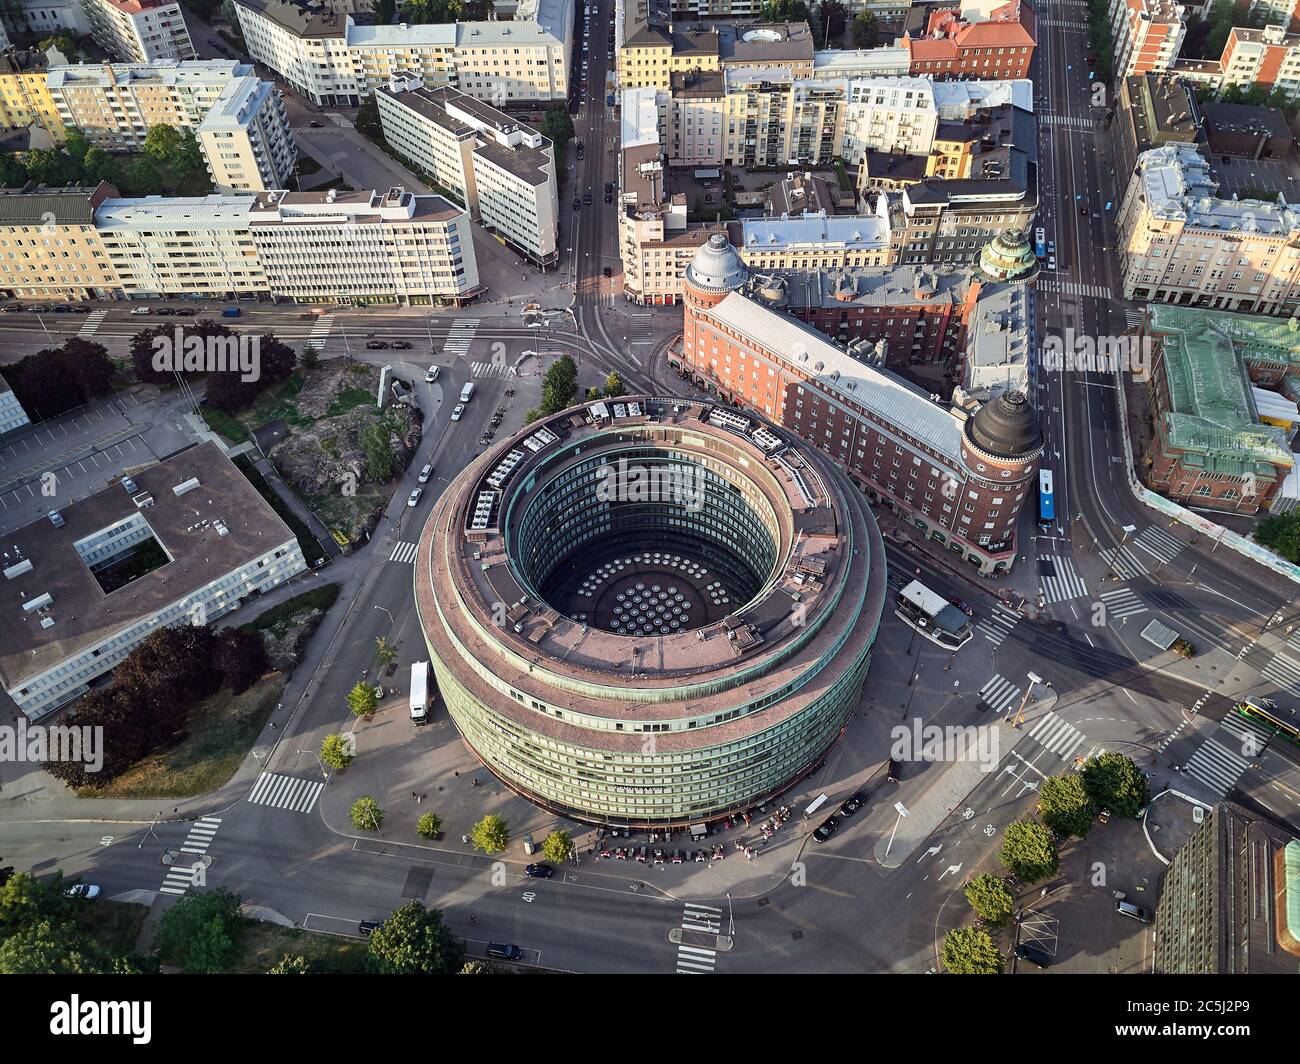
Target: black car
63 308
827 828
376 345
609 186
577 204
609 198
79 308
165 312
314 124
586 196
185 312
609 272
851 806
539 871
366 926
1035 956
895 770
401 345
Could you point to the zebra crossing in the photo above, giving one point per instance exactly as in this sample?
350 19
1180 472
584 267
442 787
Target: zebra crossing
320 331
1065 584
1293 640
286 792
1074 288
641 331
404 553
1284 672
1132 318
698 960
491 369
1160 544
1123 562
460 336
181 876
91 323
1121 603
1221 759
1057 736
997 626
998 693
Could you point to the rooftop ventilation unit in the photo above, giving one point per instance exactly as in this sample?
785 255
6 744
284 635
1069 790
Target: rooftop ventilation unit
143 500
41 600
186 485
18 568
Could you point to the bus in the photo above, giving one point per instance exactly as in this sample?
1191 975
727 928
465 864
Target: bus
933 616
1040 243
1264 711
1046 500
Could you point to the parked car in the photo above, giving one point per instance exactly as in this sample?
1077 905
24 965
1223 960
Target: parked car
827 828
165 312
850 806
894 771
459 409
314 124
401 345
82 890
79 308
577 204
1134 912
137 311
376 345
231 312
539 871
432 374
366 926
586 196
1035 956
185 312
414 498
10 308
504 950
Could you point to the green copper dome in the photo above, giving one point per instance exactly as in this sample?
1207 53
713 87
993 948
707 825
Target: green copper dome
1008 257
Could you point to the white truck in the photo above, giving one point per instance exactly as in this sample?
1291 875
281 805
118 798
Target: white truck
467 393
420 693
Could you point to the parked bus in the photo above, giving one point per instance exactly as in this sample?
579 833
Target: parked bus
933 616
1046 500
1265 711
1040 243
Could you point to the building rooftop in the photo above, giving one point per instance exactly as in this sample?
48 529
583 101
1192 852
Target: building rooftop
1177 186
801 193
217 523
861 62
863 232
197 212
1240 118
640 118
302 18
1162 108
38 204
701 84
178 72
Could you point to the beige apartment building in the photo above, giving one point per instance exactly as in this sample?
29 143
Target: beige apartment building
25 99
655 51
137 31
1181 243
49 246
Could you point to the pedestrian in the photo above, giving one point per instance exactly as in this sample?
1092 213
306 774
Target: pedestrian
273 725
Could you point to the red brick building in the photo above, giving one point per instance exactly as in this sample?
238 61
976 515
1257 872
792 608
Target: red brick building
961 482
1001 46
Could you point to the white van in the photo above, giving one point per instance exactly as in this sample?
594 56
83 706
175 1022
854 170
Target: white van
467 393
432 374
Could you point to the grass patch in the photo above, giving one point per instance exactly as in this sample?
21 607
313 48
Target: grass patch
311 548
280 617
348 399
219 731
261 945
224 424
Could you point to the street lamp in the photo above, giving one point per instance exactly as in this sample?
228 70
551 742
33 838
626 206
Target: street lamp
1114 558
1034 678
314 754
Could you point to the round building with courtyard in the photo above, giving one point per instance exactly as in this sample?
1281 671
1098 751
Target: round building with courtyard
648 611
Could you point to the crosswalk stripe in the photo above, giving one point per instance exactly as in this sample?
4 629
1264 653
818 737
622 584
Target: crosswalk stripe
1066 584
91 323
1158 543
998 625
1122 603
460 336
1123 563
698 960
1056 735
404 552
999 693
1074 288
320 330
491 369
1216 766
1284 672
179 880
286 792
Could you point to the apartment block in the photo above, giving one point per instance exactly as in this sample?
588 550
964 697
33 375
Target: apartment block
25 101
1154 109
45 17
12 414
1268 56
883 62
1180 242
655 51
327 56
774 118
50 247
982 39
70 619
1146 35
501 170
246 139
813 242
137 31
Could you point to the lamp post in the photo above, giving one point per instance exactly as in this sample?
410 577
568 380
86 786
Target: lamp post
314 754
1114 558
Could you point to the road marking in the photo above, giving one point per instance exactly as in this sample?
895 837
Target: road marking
460 336
1056 735
87 330
1221 759
1122 562
404 553
1122 603
286 792
1159 544
1066 584
999 693
180 877
698 960
1284 672
997 626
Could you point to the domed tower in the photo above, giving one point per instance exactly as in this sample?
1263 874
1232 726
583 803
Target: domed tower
1000 447
1008 258
716 271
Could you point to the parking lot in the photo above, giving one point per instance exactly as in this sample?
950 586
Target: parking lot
1242 176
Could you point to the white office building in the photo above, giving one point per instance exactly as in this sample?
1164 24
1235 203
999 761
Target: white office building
136 31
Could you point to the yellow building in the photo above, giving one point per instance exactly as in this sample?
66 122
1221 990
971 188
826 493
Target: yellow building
952 151
651 55
24 99
50 246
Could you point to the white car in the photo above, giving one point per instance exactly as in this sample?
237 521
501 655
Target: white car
82 890
1051 263
432 374
426 473
460 409
139 310
414 498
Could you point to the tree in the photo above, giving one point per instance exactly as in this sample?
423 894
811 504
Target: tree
77 145
64 42
989 897
25 900
384 11
557 126
141 178
89 366
362 699
291 965
415 941
367 122
47 948
432 12
491 835
1028 851
559 386
52 166
1114 782
557 847
593 394
174 662
970 951
385 652
240 657
381 463
44 385
1281 534
785 11
479 968
429 826
866 30
828 23
310 356
198 932
614 386
99 166
1065 806
366 814
173 151
334 751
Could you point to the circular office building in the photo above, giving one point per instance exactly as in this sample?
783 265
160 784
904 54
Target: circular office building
650 611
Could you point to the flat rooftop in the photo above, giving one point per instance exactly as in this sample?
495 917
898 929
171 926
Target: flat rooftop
214 527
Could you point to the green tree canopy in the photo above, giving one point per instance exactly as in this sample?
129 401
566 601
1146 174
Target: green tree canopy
366 814
1028 851
970 951
1115 782
414 941
491 834
557 847
291 965
198 932
614 386
334 751
1065 806
362 699
428 826
989 897
866 30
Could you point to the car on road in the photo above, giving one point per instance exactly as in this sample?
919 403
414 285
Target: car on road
63 308
539 871
826 829
1083 211
39 308
586 196
425 473
609 198
165 312
414 498
577 204
1134 912
315 125
504 950
184 312
962 606
432 374
1038 957
376 345
82 890
366 926
1051 247
459 409
10 308
894 771
137 311
850 806
1051 262
609 271
401 345
581 149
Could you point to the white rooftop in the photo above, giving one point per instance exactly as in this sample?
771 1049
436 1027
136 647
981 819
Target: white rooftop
640 117
1177 185
402 36
196 212
848 231
160 71
846 63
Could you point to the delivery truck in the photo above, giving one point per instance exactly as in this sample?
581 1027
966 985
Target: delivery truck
467 393
420 693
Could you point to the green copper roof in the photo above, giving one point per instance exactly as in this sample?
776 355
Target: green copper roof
1212 413
1291 870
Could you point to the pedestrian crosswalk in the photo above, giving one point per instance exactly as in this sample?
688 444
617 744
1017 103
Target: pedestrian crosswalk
1073 288
1121 603
1058 580
1219 761
320 331
1081 125
1284 672
91 323
404 553
997 626
491 369
460 336
286 792
1132 318
698 960
1123 563
188 865
1056 735
641 330
999 693
1161 545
